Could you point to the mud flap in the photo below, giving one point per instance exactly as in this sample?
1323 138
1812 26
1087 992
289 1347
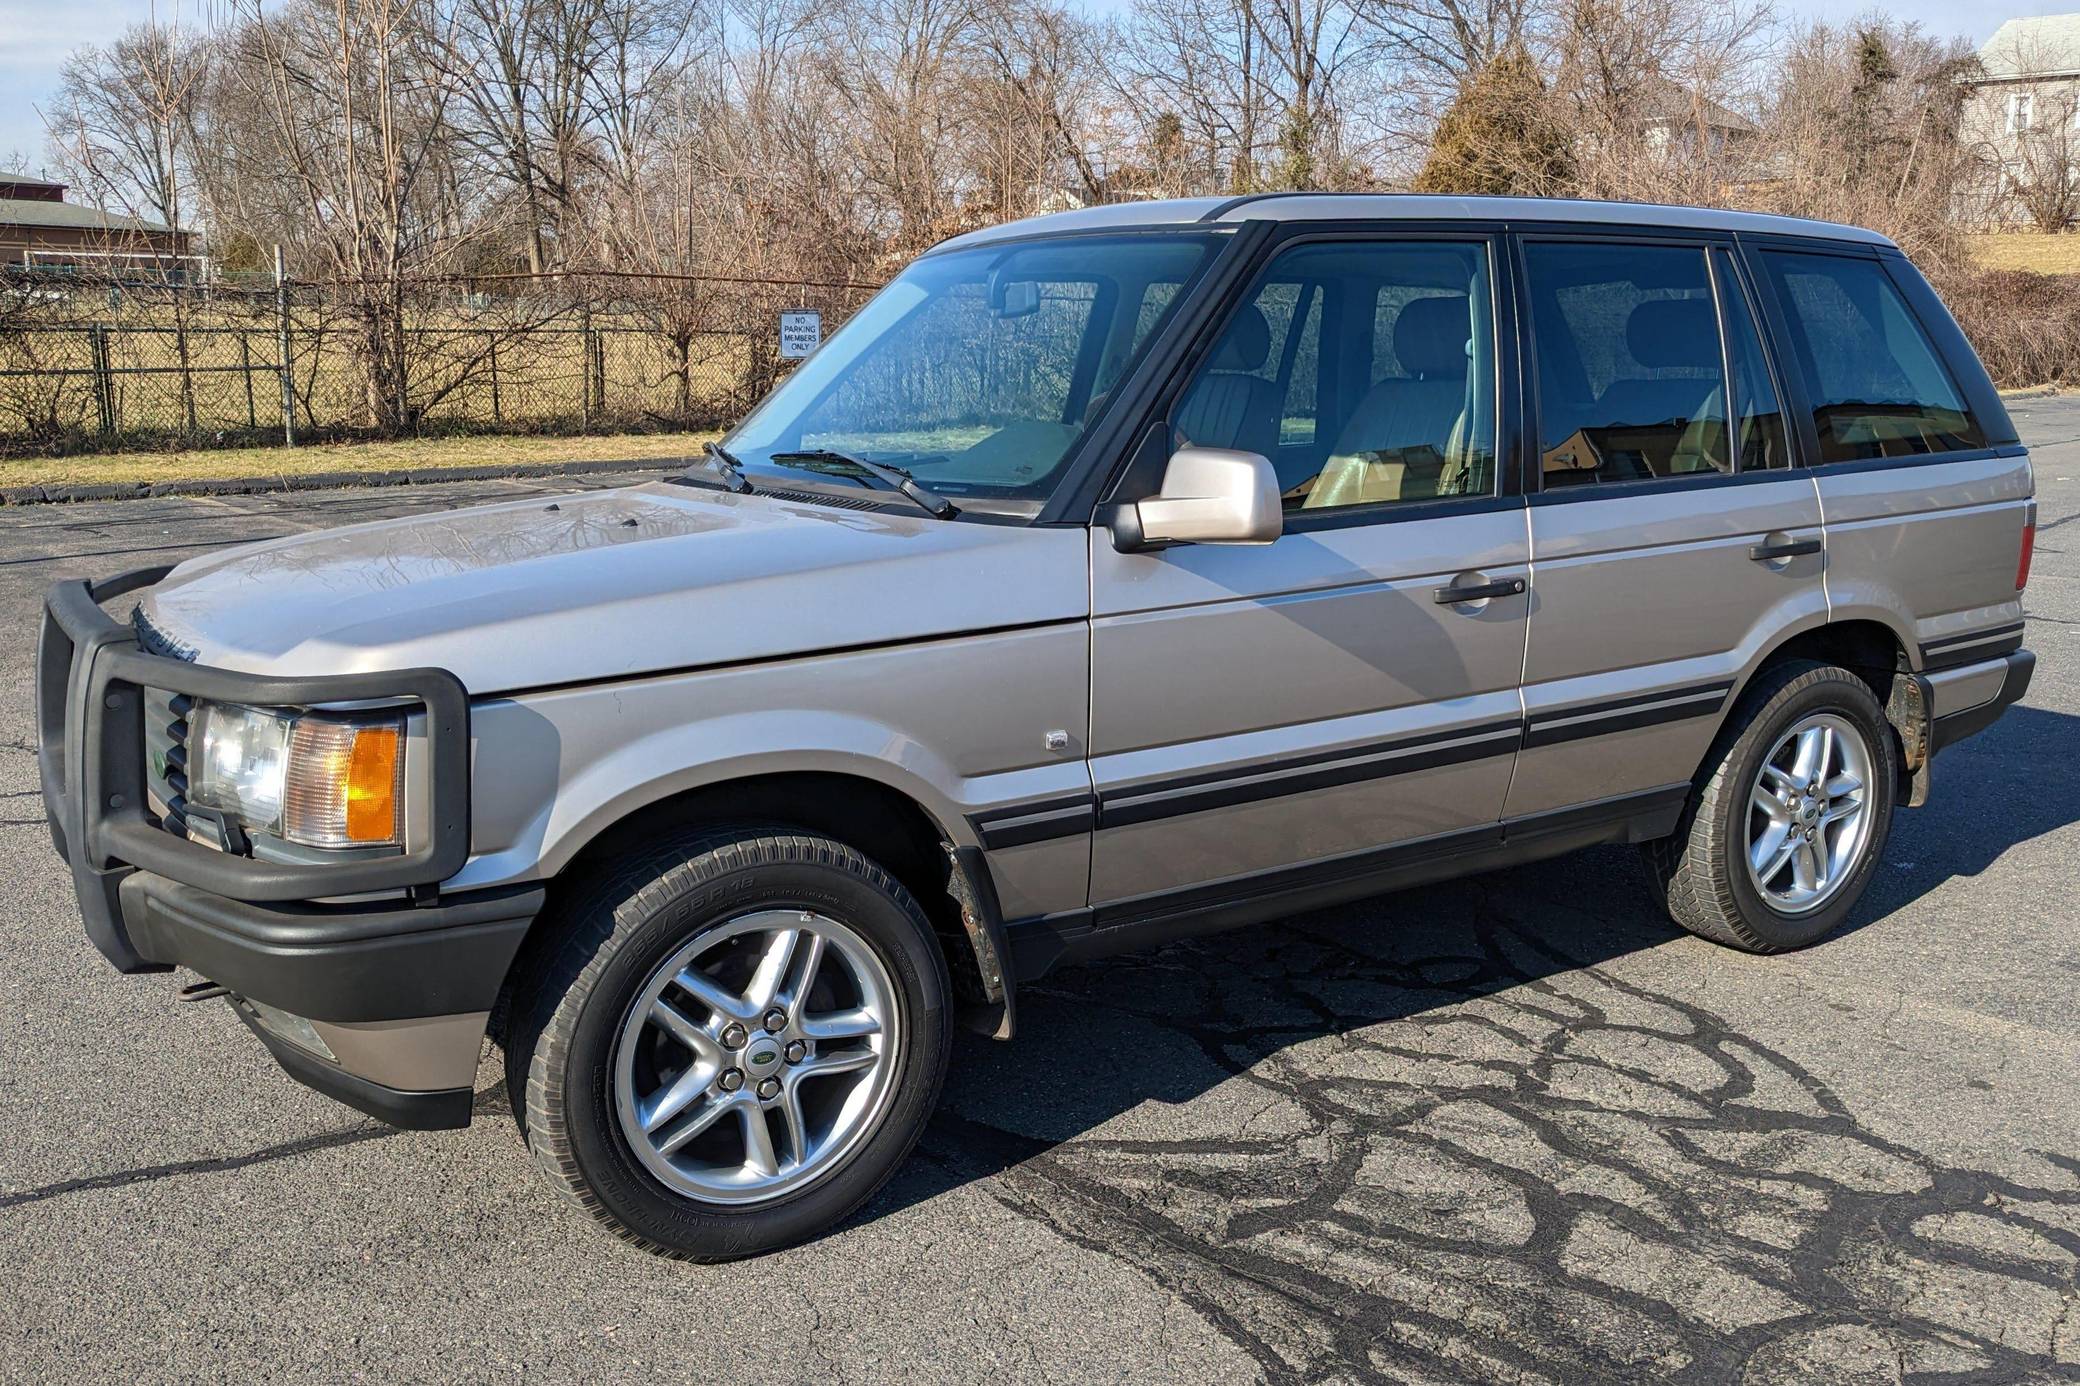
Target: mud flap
968 881
1907 710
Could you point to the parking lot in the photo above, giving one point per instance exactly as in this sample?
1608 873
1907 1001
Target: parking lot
1515 1128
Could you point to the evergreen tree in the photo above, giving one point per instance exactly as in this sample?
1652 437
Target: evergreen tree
1500 136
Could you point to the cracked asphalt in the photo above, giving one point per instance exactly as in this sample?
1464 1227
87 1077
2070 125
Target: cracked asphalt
1515 1128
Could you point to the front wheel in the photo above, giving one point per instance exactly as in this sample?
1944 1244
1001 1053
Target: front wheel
740 1039
1790 814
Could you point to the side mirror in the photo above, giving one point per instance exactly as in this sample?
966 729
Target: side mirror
1209 496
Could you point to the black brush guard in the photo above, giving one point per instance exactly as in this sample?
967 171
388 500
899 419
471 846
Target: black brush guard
91 674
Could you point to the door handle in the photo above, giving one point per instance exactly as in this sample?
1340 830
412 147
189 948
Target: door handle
1790 548
1478 591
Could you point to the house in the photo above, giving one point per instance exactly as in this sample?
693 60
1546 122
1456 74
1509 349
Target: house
2021 119
1680 121
43 233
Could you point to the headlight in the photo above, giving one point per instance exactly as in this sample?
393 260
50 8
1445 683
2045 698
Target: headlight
309 778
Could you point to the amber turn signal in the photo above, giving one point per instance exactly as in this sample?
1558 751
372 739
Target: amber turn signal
344 780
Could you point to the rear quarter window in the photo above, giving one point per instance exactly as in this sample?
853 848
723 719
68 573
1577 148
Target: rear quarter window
1877 384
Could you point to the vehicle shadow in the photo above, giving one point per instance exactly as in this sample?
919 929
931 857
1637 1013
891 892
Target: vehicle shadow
1438 1132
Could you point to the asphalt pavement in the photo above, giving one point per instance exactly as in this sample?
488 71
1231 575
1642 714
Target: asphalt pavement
1515 1128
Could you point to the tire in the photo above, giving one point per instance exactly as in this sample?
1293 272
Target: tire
1703 869
580 1059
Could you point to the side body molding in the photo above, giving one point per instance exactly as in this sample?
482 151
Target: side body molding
957 726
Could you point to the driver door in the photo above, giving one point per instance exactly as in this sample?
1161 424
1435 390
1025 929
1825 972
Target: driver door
1321 706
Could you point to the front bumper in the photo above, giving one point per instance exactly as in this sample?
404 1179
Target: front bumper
379 1002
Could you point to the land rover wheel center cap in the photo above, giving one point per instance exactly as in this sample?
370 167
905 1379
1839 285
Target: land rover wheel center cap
762 1056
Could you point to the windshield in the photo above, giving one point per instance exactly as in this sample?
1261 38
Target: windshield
975 370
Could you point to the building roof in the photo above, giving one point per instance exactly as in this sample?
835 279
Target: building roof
2036 46
28 180
1410 207
1672 103
68 216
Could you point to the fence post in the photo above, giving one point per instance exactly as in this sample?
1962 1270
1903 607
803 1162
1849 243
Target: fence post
599 368
491 344
104 386
585 368
245 361
181 349
284 368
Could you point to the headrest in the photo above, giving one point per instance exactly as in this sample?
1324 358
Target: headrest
1247 342
1674 334
1430 336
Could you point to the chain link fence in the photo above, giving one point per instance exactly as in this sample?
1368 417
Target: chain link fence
94 367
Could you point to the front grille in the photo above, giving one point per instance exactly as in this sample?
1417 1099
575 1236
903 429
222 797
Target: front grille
166 757
165 731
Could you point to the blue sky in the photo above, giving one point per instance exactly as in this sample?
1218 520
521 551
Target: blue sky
35 36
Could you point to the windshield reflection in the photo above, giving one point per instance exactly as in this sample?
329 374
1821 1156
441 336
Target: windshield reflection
976 370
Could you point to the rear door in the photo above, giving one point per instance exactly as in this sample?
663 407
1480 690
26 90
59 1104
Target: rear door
1259 713
1672 540
1922 481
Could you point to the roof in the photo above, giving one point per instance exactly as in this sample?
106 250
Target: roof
1410 207
1671 101
28 180
2037 46
22 211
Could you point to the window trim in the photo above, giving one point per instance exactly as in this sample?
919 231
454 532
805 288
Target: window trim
1758 319
1288 235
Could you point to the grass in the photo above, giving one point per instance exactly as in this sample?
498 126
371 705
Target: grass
2028 250
405 456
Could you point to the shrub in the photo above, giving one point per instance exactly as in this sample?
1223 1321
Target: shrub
2025 327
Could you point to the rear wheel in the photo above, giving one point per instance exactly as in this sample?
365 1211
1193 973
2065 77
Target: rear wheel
1789 816
739 1041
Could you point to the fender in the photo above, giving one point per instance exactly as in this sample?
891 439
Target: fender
538 808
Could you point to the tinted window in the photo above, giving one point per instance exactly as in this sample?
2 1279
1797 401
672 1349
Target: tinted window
1877 385
1759 431
1366 372
1631 369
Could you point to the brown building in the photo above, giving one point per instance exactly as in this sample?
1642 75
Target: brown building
41 231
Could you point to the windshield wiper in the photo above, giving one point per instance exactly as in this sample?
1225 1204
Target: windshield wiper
725 466
930 500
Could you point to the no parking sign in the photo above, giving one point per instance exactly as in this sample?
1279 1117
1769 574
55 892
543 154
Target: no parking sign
800 332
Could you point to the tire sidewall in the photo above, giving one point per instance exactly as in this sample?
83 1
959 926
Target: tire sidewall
696 899
1841 693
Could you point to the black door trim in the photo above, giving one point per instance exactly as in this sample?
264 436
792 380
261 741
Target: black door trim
1199 791
1040 943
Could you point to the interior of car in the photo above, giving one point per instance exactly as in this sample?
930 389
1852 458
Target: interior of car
1364 371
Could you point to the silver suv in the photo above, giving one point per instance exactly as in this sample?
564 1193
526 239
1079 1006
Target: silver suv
1110 576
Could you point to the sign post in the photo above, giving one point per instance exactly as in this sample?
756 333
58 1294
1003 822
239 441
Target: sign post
801 330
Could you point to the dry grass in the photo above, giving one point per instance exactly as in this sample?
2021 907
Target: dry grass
2027 250
404 456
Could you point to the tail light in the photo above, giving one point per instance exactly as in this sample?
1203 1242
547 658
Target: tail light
2029 548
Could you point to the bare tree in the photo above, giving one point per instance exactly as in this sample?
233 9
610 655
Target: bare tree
1866 123
124 122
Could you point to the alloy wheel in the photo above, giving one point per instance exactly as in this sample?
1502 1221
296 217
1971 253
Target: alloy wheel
1808 813
756 1058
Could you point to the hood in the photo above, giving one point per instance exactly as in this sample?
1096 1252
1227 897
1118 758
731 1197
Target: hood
610 584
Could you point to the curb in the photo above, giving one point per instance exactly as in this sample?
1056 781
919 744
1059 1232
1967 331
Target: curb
321 481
